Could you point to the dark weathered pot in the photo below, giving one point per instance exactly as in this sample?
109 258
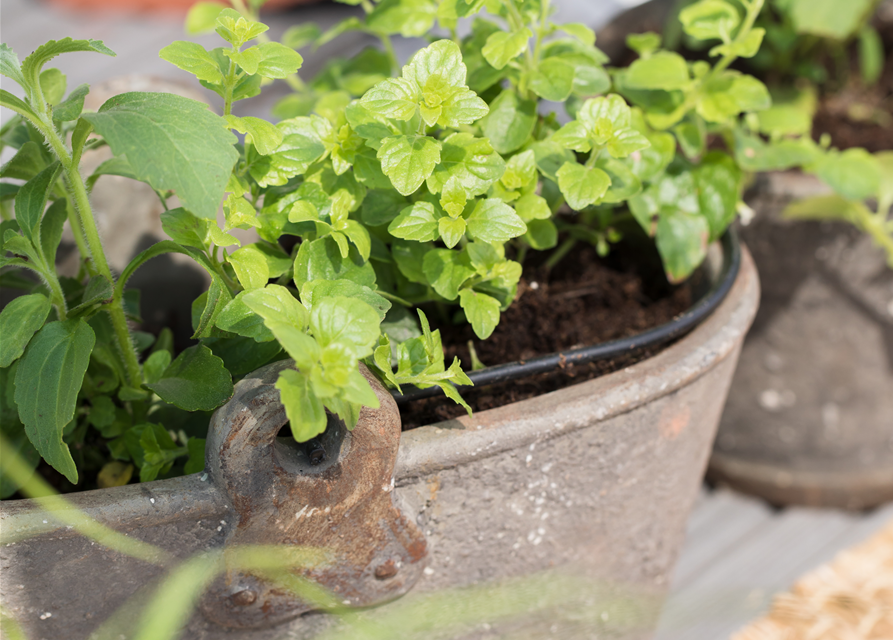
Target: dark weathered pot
573 504
810 415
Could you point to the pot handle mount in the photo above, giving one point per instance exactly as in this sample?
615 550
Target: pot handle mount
333 495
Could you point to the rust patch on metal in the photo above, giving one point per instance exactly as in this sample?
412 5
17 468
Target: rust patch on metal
339 502
673 421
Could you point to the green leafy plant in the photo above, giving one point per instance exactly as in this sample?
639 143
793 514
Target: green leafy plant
425 185
857 178
808 40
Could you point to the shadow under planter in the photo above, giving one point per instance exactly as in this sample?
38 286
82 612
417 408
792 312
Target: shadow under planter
561 515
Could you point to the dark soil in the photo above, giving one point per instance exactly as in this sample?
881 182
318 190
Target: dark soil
585 300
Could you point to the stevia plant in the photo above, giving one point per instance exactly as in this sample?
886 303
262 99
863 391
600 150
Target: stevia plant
425 185
70 364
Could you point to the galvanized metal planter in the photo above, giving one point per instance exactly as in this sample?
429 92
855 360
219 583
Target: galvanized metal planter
575 502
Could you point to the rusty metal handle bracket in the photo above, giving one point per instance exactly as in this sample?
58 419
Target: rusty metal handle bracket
339 502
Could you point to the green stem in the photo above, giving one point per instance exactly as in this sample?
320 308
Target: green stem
393 298
58 295
593 158
218 267
78 190
389 49
293 80
753 10
560 252
74 220
875 226
229 85
5 215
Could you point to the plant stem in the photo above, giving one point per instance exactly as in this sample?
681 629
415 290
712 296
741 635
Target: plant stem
74 220
229 85
753 10
87 223
875 226
560 252
389 49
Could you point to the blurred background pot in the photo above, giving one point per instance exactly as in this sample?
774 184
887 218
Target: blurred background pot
809 418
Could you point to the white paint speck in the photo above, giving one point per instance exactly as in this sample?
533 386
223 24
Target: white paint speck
534 285
546 467
528 459
44 616
152 500
219 528
204 477
44 521
428 571
533 446
346 601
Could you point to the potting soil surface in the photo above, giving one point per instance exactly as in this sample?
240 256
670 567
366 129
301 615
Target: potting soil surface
584 300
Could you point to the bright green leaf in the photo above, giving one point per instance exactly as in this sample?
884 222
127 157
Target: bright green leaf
510 121
48 379
306 413
582 186
472 161
173 143
275 303
553 79
481 310
418 222
350 322
494 221
709 19
451 230
682 242
663 70
192 58
278 60
409 160
195 381
31 201
202 17
20 319
265 137
250 266
53 84
447 270
503 47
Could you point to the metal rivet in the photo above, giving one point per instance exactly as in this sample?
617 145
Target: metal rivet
386 570
244 598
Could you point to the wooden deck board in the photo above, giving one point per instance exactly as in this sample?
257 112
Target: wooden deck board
739 554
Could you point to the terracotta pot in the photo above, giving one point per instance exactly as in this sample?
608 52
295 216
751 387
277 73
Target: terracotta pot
810 416
572 506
